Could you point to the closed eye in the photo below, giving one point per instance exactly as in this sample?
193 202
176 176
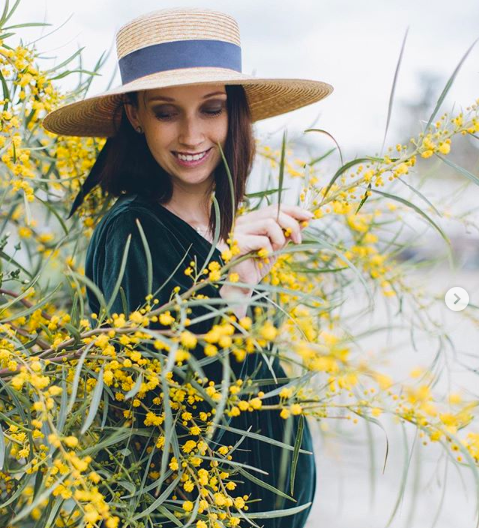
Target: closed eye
208 112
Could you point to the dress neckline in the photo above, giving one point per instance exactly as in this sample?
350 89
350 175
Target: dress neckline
188 225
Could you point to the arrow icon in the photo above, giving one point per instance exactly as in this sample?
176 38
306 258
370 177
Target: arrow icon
456 299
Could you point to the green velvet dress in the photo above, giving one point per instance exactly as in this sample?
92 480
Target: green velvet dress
169 238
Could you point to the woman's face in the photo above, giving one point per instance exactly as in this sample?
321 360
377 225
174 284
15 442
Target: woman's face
182 126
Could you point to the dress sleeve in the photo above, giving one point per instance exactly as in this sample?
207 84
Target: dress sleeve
135 278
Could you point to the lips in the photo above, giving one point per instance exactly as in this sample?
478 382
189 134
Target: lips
193 162
175 152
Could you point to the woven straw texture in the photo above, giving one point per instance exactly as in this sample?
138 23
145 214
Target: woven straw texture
99 116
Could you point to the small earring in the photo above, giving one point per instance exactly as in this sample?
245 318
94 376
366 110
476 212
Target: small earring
139 129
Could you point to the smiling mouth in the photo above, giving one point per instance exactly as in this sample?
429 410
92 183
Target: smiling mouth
191 157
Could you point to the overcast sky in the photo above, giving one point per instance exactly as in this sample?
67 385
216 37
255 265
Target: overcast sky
352 44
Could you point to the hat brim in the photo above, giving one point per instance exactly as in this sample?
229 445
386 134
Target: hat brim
99 116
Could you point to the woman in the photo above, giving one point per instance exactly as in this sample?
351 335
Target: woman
183 97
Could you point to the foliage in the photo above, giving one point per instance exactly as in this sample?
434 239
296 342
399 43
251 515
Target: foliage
103 418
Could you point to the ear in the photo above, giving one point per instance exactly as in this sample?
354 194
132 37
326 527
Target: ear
132 114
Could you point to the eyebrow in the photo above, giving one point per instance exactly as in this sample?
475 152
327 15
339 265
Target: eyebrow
164 98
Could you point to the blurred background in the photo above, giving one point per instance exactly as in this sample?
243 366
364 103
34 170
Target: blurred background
353 45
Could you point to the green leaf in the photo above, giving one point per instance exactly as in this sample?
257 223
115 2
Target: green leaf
393 89
262 194
134 390
448 86
160 500
225 387
418 193
62 414
53 211
230 178
2 448
149 264
363 201
460 169
120 274
265 485
7 15
262 438
321 131
273 514
417 209
76 377
321 158
65 62
297 445
405 471
281 172
95 402
27 24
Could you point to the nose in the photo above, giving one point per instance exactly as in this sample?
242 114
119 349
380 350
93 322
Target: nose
191 133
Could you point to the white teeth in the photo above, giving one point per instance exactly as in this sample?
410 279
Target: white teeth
191 158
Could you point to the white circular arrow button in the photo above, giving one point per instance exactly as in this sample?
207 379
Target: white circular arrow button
456 299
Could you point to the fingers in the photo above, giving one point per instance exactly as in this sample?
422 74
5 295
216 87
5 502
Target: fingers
288 222
251 242
267 221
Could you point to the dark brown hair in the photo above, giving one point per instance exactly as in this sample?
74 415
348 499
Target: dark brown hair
131 168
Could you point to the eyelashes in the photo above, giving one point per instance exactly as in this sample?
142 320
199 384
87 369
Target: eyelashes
165 116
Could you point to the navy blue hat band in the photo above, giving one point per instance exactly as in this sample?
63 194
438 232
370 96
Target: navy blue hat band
179 54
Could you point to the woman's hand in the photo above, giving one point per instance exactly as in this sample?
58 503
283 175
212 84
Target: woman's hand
263 229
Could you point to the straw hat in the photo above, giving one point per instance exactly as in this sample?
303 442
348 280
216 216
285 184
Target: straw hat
176 47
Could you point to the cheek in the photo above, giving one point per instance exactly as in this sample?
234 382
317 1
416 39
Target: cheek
159 139
221 130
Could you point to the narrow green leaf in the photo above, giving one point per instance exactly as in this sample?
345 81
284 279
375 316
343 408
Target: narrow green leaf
95 402
273 514
321 158
281 172
54 212
149 264
417 209
448 86
230 178
120 274
363 201
393 89
27 24
160 500
418 193
405 471
134 390
225 387
6 14
62 414
262 438
262 194
3 18
170 516
65 62
76 377
321 131
5 90
2 448
460 169
265 485
194 513
297 445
